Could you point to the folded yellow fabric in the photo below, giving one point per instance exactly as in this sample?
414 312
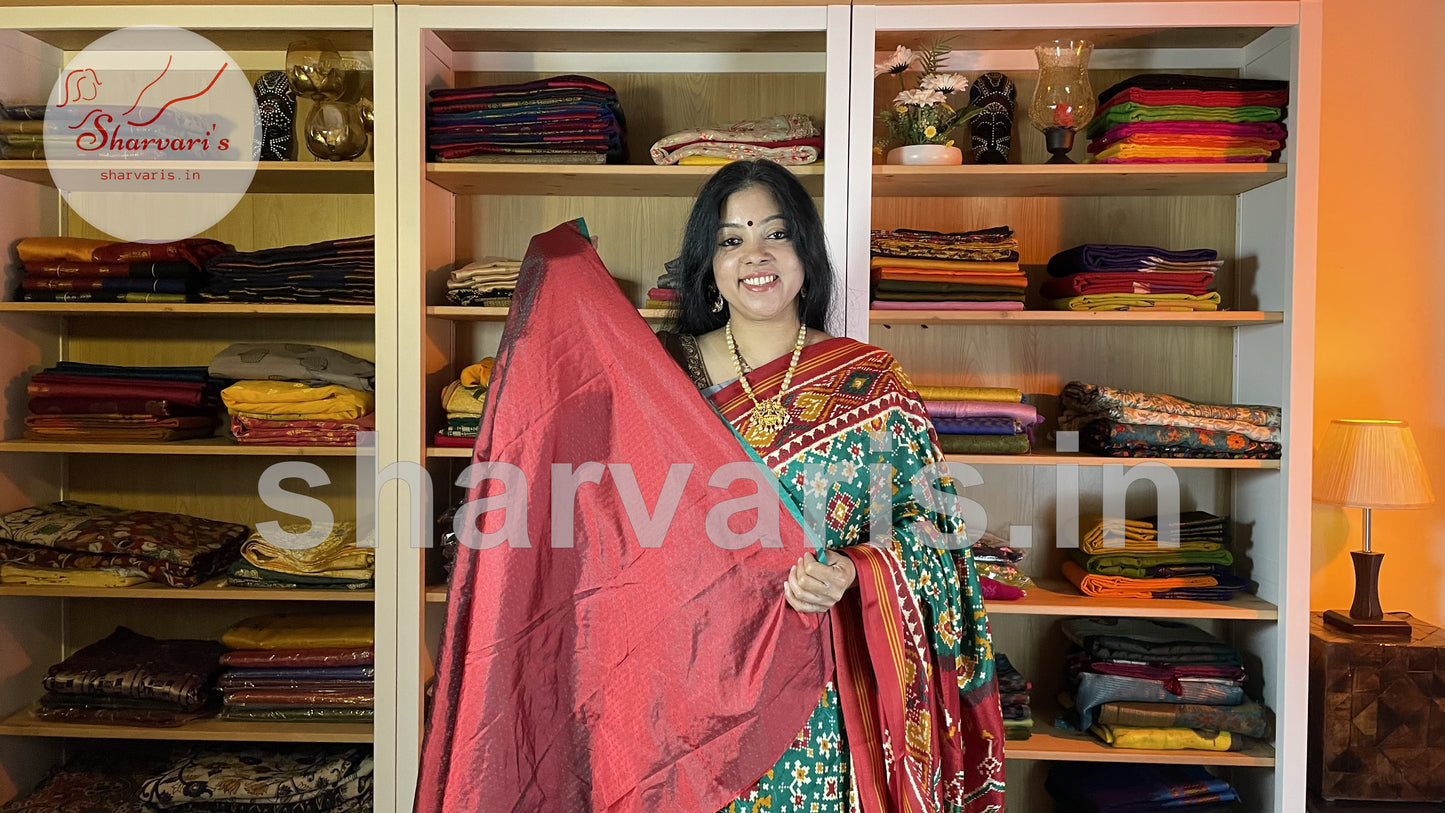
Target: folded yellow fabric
704 160
1092 584
337 556
477 375
294 400
301 631
460 399
1139 537
70 577
1126 150
1138 302
1164 739
71 249
999 394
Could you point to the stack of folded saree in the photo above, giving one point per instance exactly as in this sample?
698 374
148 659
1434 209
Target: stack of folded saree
92 781
1143 684
1175 118
291 394
925 270
1119 787
1124 558
258 779
1126 423
310 667
22 132
1111 277
332 272
105 403
997 566
1013 693
463 400
81 543
133 679
336 562
560 120
75 269
980 420
664 294
787 139
488 282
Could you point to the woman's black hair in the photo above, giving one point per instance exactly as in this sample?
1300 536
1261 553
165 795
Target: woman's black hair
698 292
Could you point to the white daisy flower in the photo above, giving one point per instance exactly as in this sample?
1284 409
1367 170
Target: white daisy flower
945 83
901 61
918 98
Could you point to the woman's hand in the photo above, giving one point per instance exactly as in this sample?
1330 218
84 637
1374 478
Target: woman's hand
814 587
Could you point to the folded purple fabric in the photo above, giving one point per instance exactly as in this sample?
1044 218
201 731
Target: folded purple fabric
947 306
1025 414
977 426
1244 129
1102 257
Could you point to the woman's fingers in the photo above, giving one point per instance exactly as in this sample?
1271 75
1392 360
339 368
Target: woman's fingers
810 590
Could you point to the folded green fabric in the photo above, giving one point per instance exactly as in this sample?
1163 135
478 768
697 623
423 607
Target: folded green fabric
1133 111
984 444
244 574
1135 564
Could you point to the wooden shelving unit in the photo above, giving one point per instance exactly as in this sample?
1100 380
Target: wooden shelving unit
197 446
459 313
1078 180
201 309
213 590
1028 318
25 724
270 178
625 181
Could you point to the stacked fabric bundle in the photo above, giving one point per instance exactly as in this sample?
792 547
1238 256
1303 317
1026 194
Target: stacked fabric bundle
560 120
1133 787
89 782
980 420
132 679
664 294
104 403
311 779
83 544
790 139
1144 684
1124 558
1110 277
1173 118
488 282
1125 423
296 394
75 269
332 272
299 667
1013 692
926 270
997 566
337 562
22 132
463 400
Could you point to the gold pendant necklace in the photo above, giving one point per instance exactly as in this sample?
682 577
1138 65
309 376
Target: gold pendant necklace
770 416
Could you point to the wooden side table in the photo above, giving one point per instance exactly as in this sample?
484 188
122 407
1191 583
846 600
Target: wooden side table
1377 714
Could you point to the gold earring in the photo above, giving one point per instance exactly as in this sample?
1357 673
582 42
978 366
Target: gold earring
718 305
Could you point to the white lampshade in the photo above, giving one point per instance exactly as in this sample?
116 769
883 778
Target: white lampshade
1371 464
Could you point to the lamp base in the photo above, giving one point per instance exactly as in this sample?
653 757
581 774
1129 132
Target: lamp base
1058 141
1368 626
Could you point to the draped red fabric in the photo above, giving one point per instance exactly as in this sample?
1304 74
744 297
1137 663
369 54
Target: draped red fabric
605 675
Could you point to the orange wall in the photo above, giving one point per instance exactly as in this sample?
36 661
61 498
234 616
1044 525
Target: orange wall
1380 336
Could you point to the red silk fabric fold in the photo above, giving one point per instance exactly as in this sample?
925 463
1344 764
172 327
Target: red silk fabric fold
607 676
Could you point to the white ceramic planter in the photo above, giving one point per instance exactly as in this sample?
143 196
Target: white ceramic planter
925 155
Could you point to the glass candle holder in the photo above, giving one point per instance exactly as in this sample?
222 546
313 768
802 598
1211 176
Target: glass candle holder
1063 101
315 70
335 131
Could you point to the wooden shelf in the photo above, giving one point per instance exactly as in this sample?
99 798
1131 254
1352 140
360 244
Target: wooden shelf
1055 458
463 313
215 590
1077 318
271 178
227 39
184 309
198 446
634 42
611 180
24 724
1055 744
1063 600
436 594
1071 180
448 451
1104 38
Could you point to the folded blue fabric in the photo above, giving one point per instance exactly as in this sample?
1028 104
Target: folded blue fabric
1105 257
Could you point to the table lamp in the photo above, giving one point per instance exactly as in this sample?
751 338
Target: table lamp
1369 465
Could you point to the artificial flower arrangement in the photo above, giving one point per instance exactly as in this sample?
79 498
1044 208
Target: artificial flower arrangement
922 114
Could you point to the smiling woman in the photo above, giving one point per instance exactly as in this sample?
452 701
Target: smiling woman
828 416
